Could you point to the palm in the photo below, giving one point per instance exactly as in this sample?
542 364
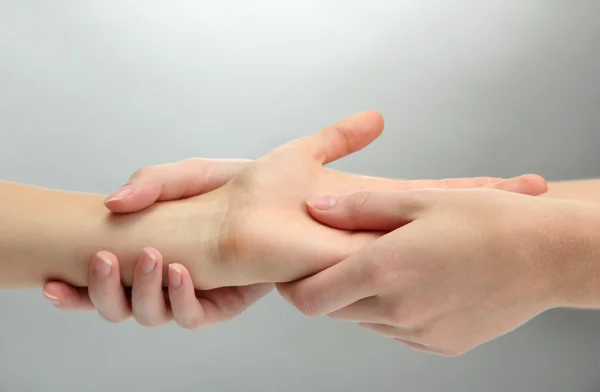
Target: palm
272 236
269 235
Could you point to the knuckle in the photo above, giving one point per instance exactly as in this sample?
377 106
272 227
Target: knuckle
302 148
397 316
377 276
372 277
231 303
358 201
143 172
149 172
421 333
419 200
304 303
407 316
101 294
342 135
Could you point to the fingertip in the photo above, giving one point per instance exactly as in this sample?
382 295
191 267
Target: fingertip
153 254
528 184
175 276
539 183
66 297
117 206
52 293
296 294
149 263
336 213
128 206
330 211
104 264
148 302
188 311
360 129
321 203
121 194
105 290
344 137
107 257
140 198
377 119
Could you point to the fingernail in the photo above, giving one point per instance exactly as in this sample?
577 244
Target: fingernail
53 299
322 202
149 262
174 276
120 194
102 265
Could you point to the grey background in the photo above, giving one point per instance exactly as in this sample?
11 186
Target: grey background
91 91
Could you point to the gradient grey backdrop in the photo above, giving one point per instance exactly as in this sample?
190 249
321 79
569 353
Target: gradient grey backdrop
91 91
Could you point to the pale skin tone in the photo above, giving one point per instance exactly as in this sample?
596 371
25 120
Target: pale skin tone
110 299
541 250
212 235
149 304
228 237
457 268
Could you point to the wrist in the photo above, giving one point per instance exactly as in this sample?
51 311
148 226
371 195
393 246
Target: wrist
583 190
184 231
571 248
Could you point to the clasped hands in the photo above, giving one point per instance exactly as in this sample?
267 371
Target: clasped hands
440 265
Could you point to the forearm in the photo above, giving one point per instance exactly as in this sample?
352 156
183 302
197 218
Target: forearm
572 245
576 244
47 234
584 190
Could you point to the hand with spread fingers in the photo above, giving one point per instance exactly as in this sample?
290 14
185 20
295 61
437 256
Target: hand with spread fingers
457 268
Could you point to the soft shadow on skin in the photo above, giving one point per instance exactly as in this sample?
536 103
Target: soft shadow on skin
131 228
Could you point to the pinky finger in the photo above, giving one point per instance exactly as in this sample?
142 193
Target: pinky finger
66 297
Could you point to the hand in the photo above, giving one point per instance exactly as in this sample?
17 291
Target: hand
166 182
150 304
266 234
459 267
173 181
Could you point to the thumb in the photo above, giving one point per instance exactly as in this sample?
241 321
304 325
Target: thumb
342 138
528 184
381 211
173 181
